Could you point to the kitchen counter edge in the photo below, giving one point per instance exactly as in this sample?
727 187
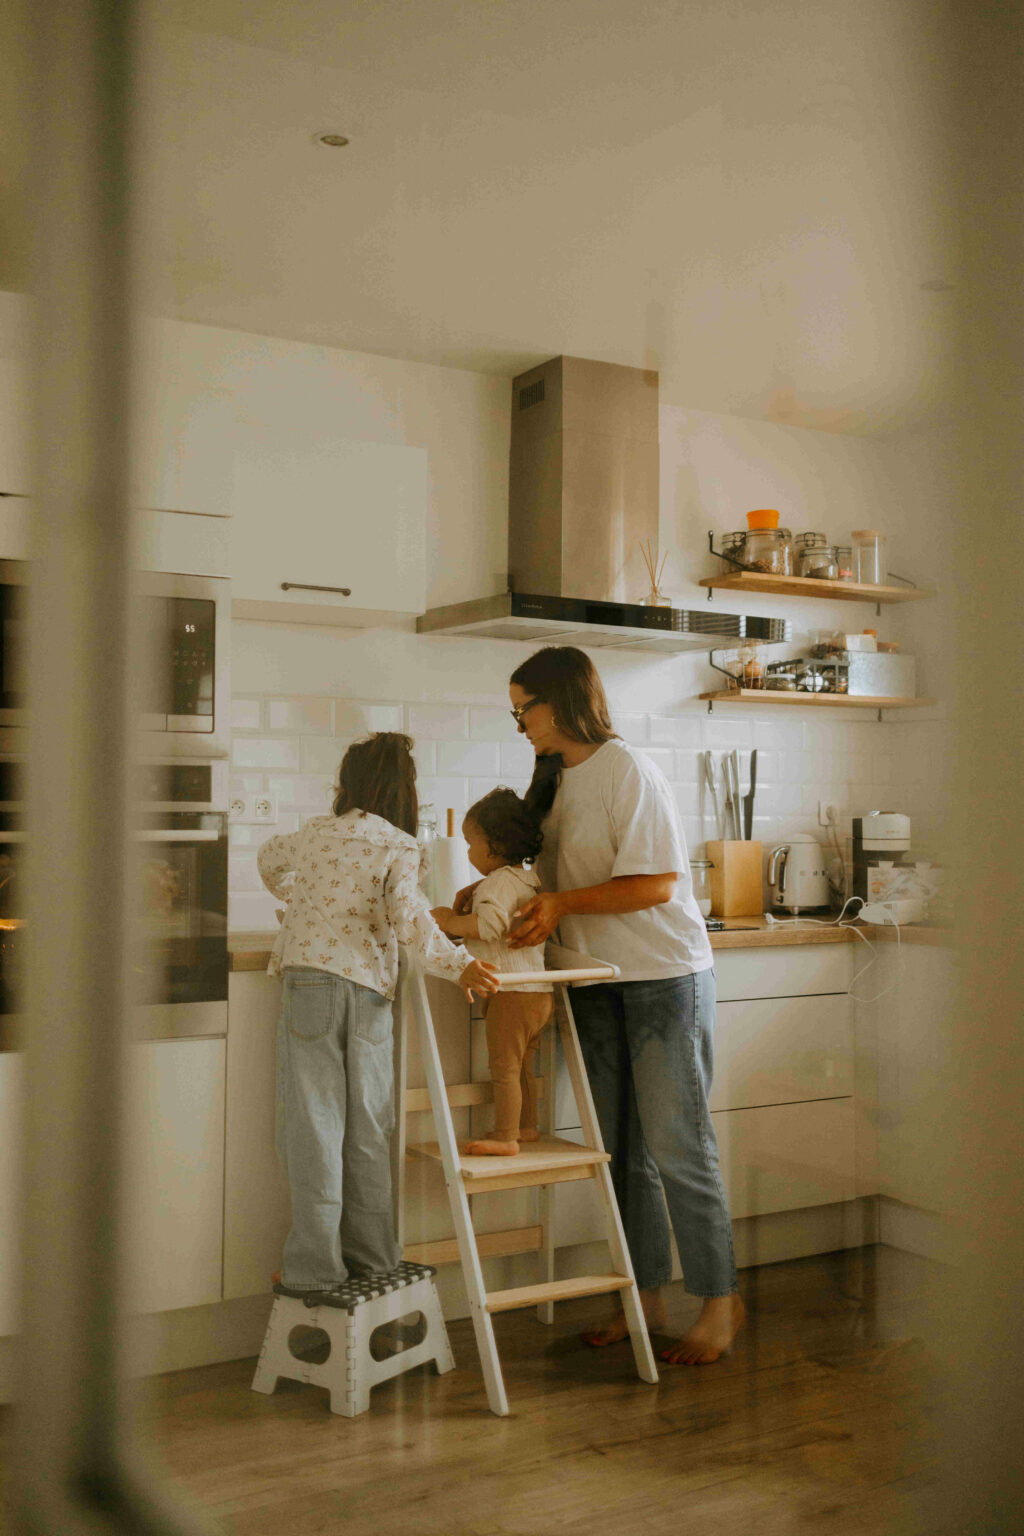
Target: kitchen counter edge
251 951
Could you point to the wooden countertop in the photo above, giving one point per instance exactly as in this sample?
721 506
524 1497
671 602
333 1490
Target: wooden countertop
251 951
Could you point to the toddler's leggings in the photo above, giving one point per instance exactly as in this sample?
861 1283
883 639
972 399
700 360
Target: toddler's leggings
514 1024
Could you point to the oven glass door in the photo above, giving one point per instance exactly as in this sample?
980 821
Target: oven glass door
182 973
13 622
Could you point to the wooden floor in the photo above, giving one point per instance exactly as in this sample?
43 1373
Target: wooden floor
823 1419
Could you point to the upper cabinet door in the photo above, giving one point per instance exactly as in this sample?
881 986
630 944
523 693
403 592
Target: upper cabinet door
14 435
328 514
183 450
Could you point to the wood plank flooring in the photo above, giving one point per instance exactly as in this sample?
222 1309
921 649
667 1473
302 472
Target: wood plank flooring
822 1420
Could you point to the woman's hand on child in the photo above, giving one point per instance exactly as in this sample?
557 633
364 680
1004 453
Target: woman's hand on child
463 902
478 977
536 921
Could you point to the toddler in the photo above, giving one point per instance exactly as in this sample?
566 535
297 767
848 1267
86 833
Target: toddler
502 835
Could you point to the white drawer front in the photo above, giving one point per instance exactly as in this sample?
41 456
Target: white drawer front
793 972
782 1050
786 1157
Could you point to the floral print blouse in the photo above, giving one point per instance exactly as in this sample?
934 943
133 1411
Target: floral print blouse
352 887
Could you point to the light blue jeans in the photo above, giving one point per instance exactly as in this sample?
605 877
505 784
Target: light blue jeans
649 1055
335 1115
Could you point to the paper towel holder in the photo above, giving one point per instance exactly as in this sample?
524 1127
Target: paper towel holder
451 822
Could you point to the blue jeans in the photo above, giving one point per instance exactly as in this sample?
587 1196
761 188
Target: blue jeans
648 1050
335 1115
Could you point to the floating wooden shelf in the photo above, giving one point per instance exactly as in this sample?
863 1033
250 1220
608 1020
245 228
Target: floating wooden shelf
811 586
796 696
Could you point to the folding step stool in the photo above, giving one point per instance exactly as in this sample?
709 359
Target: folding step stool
358 1307
542 1164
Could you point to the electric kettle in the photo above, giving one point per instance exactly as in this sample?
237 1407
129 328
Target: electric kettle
797 877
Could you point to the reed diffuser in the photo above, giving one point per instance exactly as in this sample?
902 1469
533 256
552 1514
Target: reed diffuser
655 598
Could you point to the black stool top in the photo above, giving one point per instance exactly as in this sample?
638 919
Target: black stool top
357 1289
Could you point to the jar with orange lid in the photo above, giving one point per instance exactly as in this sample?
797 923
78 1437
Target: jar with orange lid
767 547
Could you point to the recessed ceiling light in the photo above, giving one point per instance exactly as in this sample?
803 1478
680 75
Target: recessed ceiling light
330 139
937 285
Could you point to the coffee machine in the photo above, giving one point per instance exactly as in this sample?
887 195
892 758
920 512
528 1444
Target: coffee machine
880 837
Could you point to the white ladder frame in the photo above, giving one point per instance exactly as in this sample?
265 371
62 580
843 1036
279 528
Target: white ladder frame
570 966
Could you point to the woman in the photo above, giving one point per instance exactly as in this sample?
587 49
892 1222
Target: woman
617 884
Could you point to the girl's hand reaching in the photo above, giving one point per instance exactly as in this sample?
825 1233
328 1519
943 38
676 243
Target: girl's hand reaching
478 977
463 902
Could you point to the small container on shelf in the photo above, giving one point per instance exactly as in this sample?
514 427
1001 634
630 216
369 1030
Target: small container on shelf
768 547
844 562
869 559
816 557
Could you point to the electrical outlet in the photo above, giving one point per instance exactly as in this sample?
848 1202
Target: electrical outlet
264 809
238 805
828 815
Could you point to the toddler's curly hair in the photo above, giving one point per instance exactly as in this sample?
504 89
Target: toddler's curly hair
509 826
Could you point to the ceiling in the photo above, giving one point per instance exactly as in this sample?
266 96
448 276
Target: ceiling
745 194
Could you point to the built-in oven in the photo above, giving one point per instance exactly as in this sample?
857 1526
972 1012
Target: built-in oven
12 890
181 960
186 627
13 618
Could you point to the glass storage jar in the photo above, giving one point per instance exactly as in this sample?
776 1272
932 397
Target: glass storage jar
869 556
844 561
768 547
700 870
816 557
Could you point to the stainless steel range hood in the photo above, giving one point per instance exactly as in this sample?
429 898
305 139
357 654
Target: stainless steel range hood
583 493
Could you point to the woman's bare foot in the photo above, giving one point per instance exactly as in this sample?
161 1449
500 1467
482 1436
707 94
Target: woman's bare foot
618 1329
491 1148
721 1319
528 1133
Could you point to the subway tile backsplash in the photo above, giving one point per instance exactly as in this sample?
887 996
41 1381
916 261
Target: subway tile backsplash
291 747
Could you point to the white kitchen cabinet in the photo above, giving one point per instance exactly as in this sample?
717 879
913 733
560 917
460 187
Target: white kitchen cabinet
800 970
327 514
15 477
183 543
183 448
256 1207
175 1173
784 1157
12 1071
782 1051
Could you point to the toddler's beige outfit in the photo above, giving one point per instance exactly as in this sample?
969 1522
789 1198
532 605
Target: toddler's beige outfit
515 1018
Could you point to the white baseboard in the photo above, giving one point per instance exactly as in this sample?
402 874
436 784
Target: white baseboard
914 1230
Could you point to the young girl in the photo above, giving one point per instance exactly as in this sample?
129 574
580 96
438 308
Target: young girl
501 834
350 881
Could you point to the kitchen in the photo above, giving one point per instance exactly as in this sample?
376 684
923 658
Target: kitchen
260 410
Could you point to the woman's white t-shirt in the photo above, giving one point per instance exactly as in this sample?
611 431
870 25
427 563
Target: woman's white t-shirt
614 814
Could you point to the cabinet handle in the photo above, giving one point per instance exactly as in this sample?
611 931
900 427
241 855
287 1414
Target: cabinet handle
302 586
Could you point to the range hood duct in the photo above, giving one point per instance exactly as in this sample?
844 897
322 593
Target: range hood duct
583 493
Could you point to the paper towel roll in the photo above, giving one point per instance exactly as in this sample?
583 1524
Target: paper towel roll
450 869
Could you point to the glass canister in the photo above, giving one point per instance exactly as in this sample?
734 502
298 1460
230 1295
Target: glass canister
700 869
816 557
768 547
426 836
844 562
869 562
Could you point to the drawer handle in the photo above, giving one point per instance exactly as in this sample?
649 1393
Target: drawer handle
302 586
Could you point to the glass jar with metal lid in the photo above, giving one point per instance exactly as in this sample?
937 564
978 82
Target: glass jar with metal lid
768 547
844 560
816 557
700 872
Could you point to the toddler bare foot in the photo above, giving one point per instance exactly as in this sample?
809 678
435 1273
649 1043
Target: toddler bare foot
618 1329
491 1148
526 1133
720 1320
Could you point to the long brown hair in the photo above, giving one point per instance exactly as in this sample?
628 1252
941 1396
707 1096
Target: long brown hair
379 775
567 679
